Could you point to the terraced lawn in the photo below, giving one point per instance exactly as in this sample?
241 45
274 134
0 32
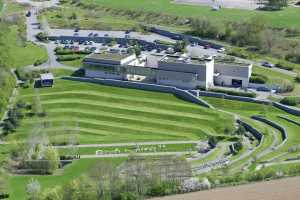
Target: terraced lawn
246 110
101 114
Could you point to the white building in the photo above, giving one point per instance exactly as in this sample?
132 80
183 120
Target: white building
232 74
180 71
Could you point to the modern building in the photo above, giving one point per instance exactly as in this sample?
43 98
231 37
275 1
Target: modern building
47 80
232 74
185 72
181 71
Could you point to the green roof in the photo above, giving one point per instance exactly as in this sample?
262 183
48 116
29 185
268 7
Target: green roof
108 56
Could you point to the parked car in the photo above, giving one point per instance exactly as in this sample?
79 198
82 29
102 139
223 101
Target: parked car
106 35
96 35
263 89
28 14
90 43
90 34
221 50
267 64
77 29
207 46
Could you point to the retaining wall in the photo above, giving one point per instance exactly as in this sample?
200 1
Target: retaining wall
145 86
259 136
231 97
282 130
288 109
290 120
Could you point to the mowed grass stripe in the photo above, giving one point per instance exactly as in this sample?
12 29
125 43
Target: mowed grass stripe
194 109
117 128
87 94
125 111
67 85
130 120
125 106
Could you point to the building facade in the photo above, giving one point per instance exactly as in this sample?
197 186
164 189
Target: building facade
179 71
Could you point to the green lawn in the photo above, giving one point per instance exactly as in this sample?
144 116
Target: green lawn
17 184
246 110
110 114
288 17
23 54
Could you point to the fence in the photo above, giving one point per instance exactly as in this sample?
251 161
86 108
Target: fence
145 86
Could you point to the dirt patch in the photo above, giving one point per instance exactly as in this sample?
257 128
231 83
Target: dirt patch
242 4
287 189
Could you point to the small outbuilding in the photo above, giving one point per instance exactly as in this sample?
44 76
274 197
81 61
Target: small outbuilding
47 80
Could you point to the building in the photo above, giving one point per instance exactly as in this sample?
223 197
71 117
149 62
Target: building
180 71
47 80
232 74
185 72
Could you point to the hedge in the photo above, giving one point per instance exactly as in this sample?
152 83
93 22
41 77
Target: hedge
68 57
285 65
290 101
235 93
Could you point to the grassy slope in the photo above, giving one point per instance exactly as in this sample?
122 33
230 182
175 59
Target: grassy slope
17 184
23 54
249 109
288 17
110 114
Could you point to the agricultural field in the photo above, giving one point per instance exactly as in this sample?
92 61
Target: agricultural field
101 114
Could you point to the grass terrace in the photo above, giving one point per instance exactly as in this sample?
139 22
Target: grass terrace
102 114
246 110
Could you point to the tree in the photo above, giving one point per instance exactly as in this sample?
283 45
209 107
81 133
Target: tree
212 141
276 4
33 189
52 157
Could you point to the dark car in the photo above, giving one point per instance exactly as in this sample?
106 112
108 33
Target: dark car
263 89
76 29
127 32
28 14
267 64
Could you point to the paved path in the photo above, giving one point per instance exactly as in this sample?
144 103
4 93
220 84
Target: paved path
129 144
136 154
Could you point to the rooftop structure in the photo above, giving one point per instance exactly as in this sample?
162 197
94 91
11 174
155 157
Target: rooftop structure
47 80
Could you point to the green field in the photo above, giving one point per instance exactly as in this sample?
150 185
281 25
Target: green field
17 184
288 17
104 114
23 53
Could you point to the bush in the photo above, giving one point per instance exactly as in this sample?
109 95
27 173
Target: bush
290 101
42 36
68 57
285 65
297 79
258 80
38 62
235 93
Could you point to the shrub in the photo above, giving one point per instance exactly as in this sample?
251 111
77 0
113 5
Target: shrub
298 78
68 57
290 101
258 79
285 65
235 93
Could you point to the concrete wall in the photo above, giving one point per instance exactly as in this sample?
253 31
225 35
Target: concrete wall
259 136
101 74
282 130
145 86
231 97
288 109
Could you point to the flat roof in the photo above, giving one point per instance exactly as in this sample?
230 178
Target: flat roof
109 56
231 61
47 76
184 60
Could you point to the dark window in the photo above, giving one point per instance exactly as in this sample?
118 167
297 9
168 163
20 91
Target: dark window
236 82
